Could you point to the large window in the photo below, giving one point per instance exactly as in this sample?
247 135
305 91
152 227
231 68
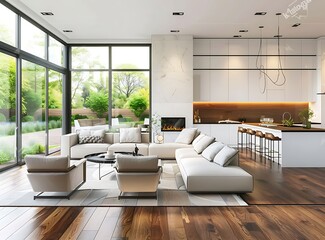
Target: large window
30 119
126 79
54 110
56 52
7 110
33 108
32 39
7 26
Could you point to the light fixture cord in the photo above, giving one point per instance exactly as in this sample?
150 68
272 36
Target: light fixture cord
262 69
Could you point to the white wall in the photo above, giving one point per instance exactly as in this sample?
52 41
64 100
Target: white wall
172 78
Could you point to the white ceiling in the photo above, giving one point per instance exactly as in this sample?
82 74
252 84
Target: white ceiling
136 20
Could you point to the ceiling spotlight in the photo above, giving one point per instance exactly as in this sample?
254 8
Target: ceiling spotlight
278 14
261 27
67 31
277 36
174 31
260 13
237 36
296 25
47 13
178 13
243 30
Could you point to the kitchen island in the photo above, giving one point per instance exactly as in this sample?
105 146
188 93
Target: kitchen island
300 147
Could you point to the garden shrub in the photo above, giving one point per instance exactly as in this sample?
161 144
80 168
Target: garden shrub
28 118
5 156
2 118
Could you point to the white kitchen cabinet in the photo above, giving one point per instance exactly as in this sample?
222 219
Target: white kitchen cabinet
201 46
238 47
238 62
200 62
219 47
256 86
293 86
254 46
275 95
272 46
309 46
238 86
220 62
219 87
309 85
201 86
291 46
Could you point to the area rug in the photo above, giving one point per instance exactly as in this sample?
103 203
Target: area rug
105 192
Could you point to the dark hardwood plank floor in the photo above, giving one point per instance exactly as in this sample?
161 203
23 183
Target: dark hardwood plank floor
276 185
252 222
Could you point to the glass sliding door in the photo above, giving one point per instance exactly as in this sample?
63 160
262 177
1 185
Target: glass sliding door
7 111
33 109
54 111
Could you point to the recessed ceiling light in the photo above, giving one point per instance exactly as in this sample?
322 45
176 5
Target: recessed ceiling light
47 13
174 31
243 30
67 31
261 27
237 36
178 13
277 36
296 25
278 14
260 13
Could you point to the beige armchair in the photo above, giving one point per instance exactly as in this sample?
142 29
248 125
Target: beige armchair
139 174
55 174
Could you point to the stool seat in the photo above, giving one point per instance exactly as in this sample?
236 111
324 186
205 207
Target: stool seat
270 139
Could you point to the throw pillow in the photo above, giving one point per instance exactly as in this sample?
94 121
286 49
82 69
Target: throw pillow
195 141
203 143
88 136
212 150
186 135
130 135
225 156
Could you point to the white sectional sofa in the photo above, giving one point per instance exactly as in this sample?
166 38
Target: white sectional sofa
201 175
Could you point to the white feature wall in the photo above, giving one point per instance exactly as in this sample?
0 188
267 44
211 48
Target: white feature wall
172 78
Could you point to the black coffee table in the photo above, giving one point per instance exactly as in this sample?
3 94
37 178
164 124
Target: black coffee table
100 159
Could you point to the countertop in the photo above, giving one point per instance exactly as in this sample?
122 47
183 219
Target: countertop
281 128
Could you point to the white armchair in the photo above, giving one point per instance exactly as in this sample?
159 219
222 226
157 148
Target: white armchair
137 174
55 174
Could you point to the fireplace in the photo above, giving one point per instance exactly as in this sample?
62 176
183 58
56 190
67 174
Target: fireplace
172 124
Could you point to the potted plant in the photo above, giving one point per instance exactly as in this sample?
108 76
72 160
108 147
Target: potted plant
305 116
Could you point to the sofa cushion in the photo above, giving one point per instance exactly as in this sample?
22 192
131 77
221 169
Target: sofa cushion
126 163
186 136
198 138
130 135
203 143
37 162
225 156
91 136
211 151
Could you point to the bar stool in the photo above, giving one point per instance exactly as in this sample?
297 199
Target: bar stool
250 140
259 148
270 140
240 137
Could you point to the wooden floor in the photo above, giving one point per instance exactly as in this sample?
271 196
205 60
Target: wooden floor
286 204
253 222
276 185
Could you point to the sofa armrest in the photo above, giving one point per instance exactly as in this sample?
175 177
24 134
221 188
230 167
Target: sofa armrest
67 141
77 163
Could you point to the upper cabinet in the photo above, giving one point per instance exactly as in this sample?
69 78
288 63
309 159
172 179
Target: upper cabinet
229 70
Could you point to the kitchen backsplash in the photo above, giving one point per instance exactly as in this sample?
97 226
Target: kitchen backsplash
246 112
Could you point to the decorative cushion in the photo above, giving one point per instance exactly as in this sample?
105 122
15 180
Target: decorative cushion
186 135
130 135
196 139
88 136
203 143
212 150
225 156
